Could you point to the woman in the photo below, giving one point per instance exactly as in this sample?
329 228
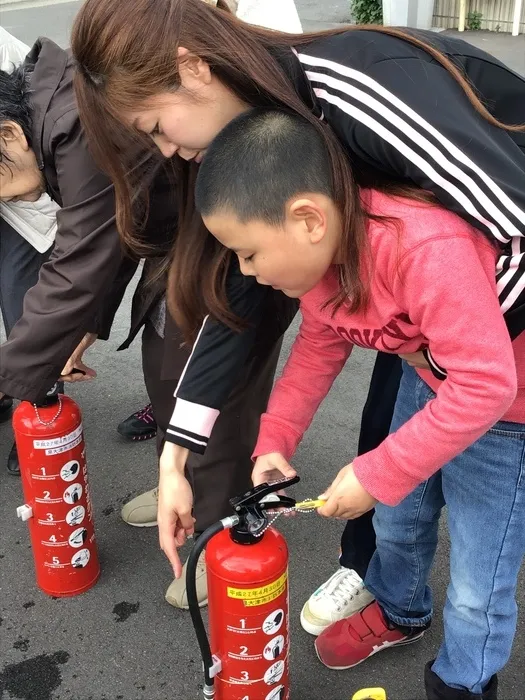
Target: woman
42 167
28 228
43 149
224 470
401 105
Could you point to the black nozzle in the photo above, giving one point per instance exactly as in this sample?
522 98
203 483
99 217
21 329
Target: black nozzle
51 398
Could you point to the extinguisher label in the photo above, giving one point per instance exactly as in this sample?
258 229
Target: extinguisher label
47 499
70 470
274 648
76 515
274 673
273 622
80 559
64 448
78 537
59 441
259 596
277 694
51 543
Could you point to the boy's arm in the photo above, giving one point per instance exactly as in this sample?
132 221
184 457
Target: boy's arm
317 357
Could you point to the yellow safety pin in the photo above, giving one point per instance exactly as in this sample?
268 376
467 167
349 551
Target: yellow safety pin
310 504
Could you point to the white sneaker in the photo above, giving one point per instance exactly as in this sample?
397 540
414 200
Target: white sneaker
341 596
177 594
141 511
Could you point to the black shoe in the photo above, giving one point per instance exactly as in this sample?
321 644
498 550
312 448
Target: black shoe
437 690
6 408
13 466
140 426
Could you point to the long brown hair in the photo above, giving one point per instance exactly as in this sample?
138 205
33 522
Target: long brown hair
127 52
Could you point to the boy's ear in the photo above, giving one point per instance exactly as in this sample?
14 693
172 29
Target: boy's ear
12 133
311 215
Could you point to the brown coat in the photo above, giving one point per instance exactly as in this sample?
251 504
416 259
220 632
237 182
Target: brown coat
71 297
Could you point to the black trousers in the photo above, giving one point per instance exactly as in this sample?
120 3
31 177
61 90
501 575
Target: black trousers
20 264
358 542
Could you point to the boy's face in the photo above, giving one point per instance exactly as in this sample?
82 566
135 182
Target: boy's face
292 257
20 177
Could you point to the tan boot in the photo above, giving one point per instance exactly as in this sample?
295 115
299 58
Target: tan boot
176 594
141 511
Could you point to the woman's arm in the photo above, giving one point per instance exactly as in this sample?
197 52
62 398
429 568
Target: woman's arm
213 367
409 119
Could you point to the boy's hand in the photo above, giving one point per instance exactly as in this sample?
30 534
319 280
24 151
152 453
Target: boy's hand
271 467
346 499
415 359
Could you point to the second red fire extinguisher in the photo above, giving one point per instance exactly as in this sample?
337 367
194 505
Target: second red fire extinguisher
53 467
247 569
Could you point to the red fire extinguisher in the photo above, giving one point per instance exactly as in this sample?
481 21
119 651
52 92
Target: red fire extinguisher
52 454
247 570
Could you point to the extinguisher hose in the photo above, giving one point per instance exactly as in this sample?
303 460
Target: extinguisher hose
193 603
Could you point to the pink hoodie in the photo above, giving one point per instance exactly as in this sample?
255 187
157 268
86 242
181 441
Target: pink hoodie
432 286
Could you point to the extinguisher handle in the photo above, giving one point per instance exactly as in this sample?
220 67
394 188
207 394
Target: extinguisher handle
277 502
254 496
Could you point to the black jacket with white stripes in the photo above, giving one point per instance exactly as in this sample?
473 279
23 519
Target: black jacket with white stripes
396 111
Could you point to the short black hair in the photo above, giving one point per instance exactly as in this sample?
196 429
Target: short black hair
15 101
258 162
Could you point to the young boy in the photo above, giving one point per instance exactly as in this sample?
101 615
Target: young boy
401 275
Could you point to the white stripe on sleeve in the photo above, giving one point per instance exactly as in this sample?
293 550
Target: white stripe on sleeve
191 355
411 155
501 198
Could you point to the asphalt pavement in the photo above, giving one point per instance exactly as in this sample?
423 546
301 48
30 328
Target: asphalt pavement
120 640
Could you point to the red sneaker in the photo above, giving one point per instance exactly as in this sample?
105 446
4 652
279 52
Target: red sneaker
349 642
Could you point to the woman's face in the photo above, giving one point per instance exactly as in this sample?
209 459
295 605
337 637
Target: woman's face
20 177
186 121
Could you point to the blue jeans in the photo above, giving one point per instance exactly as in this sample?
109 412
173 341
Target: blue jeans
484 491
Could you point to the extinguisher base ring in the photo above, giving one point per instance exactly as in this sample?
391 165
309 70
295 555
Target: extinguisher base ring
70 594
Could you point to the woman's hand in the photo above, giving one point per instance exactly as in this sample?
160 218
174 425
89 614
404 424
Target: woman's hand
83 372
346 498
174 516
271 467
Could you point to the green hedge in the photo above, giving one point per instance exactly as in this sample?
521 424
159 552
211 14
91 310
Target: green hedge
367 11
